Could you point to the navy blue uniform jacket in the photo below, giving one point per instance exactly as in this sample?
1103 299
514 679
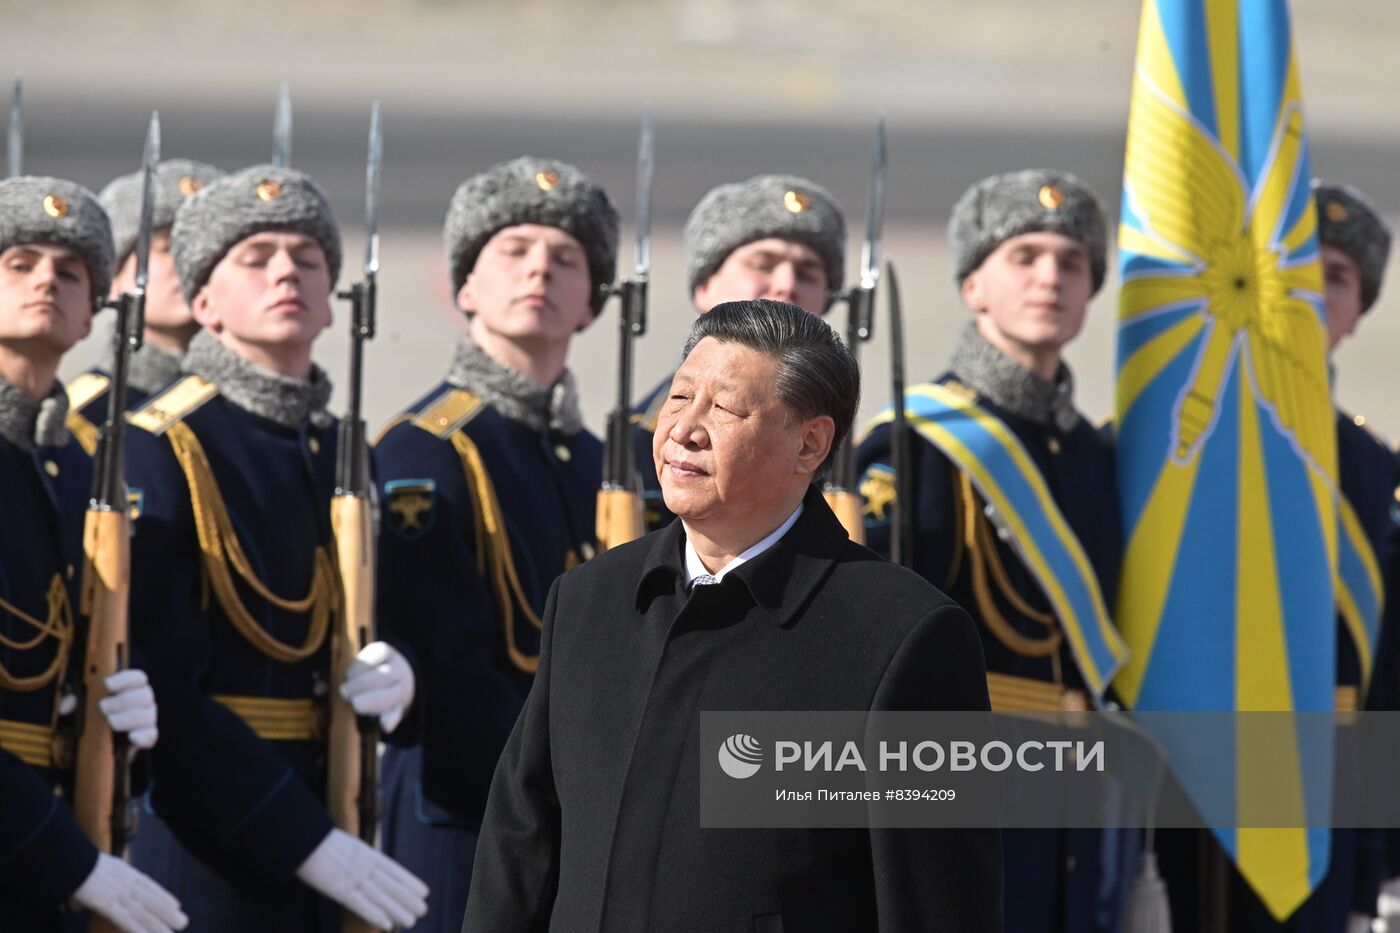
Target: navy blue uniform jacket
438 599
44 855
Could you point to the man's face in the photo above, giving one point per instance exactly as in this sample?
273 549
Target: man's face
530 284
783 270
1033 289
272 289
728 452
165 303
1342 278
45 297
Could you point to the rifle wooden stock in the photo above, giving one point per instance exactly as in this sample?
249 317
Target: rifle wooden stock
619 518
849 509
351 755
106 580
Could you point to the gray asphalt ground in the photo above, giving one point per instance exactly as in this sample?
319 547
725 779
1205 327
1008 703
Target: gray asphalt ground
737 89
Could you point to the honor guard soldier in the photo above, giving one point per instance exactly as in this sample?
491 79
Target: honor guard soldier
169 324
1000 426
234 586
779 237
488 485
55 267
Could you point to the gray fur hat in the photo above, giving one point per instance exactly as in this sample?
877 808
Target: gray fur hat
528 190
175 180
37 209
1348 221
215 218
1032 201
764 206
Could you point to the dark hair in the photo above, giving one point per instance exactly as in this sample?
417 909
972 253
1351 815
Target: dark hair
817 375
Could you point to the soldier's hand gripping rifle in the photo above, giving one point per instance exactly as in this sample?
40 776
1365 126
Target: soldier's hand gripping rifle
102 792
352 772
619 508
840 487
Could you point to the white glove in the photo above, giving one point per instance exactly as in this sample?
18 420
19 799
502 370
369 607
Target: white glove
379 682
128 898
1388 905
130 706
365 881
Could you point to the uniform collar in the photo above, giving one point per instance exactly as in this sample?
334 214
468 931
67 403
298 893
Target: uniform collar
513 394
1001 380
148 369
29 423
278 398
780 581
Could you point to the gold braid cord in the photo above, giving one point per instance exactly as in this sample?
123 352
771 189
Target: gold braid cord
58 626
494 560
84 431
981 546
221 549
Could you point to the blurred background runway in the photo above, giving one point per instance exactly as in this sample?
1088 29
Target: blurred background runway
737 88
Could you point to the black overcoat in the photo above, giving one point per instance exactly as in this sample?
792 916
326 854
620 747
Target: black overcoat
593 819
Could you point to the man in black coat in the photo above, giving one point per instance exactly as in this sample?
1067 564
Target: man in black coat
755 600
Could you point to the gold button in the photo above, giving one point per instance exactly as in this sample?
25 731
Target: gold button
189 185
1069 863
442 421
1054 445
547 180
587 550
269 191
314 444
1336 211
1359 421
1051 197
563 453
50 468
796 202
55 205
70 571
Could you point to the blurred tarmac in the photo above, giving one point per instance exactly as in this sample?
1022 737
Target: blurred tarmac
737 89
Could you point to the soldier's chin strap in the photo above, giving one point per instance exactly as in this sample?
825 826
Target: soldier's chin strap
218 541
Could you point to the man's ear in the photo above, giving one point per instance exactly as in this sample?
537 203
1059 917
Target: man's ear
817 436
203 312
972 291
466 297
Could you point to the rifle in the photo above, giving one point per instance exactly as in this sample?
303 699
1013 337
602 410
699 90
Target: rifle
902 538
840 488
619 507
352 772
15 131
102 795
282 129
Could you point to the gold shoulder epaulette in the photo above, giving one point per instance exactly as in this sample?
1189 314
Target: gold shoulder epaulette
449 412
173 405
85 388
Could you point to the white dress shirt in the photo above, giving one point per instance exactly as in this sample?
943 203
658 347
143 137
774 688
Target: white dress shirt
695 571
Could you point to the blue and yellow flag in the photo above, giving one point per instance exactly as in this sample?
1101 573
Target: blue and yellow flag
1225 427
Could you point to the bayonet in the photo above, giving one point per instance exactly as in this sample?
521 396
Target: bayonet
282 129
15 136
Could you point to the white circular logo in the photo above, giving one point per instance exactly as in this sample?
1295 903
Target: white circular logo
741 756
